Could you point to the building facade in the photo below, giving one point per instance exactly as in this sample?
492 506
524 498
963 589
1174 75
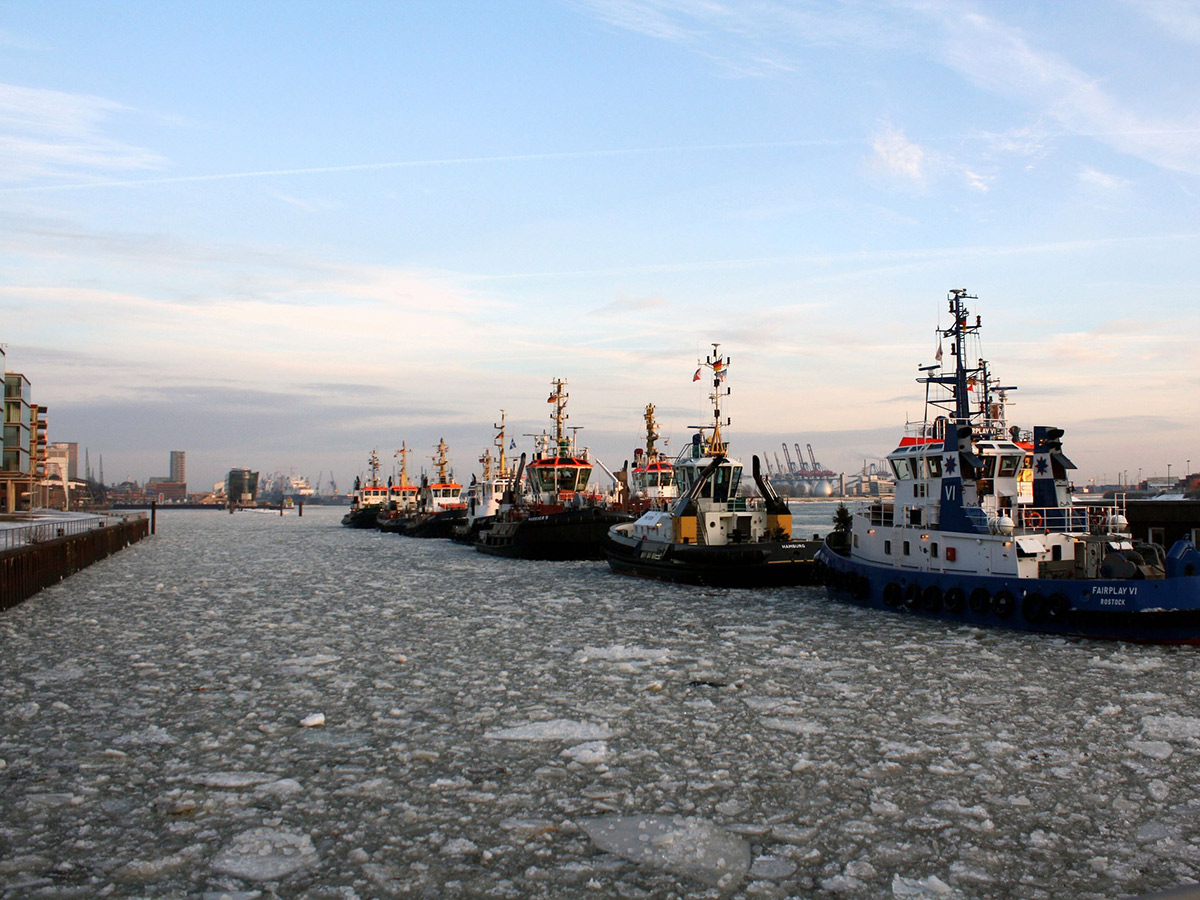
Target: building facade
178 466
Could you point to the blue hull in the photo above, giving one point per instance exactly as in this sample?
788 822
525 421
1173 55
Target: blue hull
1159 611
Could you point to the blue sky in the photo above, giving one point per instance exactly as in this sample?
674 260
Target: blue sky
281 235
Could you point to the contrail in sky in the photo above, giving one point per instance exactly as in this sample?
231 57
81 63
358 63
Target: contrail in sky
412 164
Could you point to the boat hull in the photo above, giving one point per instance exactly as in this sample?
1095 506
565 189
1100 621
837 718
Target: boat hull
760 564
366 517
1158 610
434 525
573 534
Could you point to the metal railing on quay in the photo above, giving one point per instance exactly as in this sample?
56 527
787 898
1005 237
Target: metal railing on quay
40 532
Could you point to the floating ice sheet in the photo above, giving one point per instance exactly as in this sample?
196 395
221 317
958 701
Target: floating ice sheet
688 846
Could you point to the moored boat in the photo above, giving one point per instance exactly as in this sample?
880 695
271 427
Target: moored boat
439 503
368 498
401 504
709 535
563 516
983 529
483 494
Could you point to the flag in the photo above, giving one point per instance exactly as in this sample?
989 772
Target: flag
550 399
721 375
970 384
696 377
512 445
718 365
938 355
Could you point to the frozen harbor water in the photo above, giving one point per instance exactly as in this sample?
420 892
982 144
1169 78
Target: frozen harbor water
267 706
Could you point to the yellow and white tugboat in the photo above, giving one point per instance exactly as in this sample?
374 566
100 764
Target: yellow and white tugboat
709 535
439 504
368 499
562 516
402 497
484 494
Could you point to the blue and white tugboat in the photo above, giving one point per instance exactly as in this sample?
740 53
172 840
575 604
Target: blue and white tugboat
368 499
983 531
709 535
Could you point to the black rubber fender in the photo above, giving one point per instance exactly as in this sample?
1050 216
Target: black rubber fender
954 600
931 599
1033 608
1003 604
892 594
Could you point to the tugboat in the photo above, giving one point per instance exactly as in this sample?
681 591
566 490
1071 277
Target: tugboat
709 535
484 494
561 518
402 498
983 530
652 480
439 504
368 499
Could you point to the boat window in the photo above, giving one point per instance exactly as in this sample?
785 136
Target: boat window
887 547
989 467
720 484
902 468
933 550
933 466
1008 466
907 549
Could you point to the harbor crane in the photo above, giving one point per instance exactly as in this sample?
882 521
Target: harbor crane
800 456
791 466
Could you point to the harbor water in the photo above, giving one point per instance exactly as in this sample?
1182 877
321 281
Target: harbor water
258 705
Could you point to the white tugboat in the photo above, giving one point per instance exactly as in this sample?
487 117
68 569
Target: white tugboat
983 529
710 535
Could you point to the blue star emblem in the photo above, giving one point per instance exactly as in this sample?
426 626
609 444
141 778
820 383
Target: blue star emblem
1040 465
950 465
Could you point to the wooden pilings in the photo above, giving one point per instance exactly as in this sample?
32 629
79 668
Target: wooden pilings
25 570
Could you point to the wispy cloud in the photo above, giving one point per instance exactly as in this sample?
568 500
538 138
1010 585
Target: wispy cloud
1180 19
1003 61
897 156
47 133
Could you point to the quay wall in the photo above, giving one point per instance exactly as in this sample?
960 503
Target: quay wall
48 558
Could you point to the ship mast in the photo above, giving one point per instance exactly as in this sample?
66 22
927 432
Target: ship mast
965 382
373 465
502 471
718 367
559 399
402 454
440 460
651 434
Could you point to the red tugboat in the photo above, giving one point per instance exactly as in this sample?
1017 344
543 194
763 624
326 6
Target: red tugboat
561 516
402 498
652 479
439 504
368 499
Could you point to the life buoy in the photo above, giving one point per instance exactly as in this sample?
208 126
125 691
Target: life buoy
931 598
954 600
1003 604
892 594
1033 608
980 601
1033 519
912 597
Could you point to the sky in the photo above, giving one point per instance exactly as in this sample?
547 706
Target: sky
283 235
